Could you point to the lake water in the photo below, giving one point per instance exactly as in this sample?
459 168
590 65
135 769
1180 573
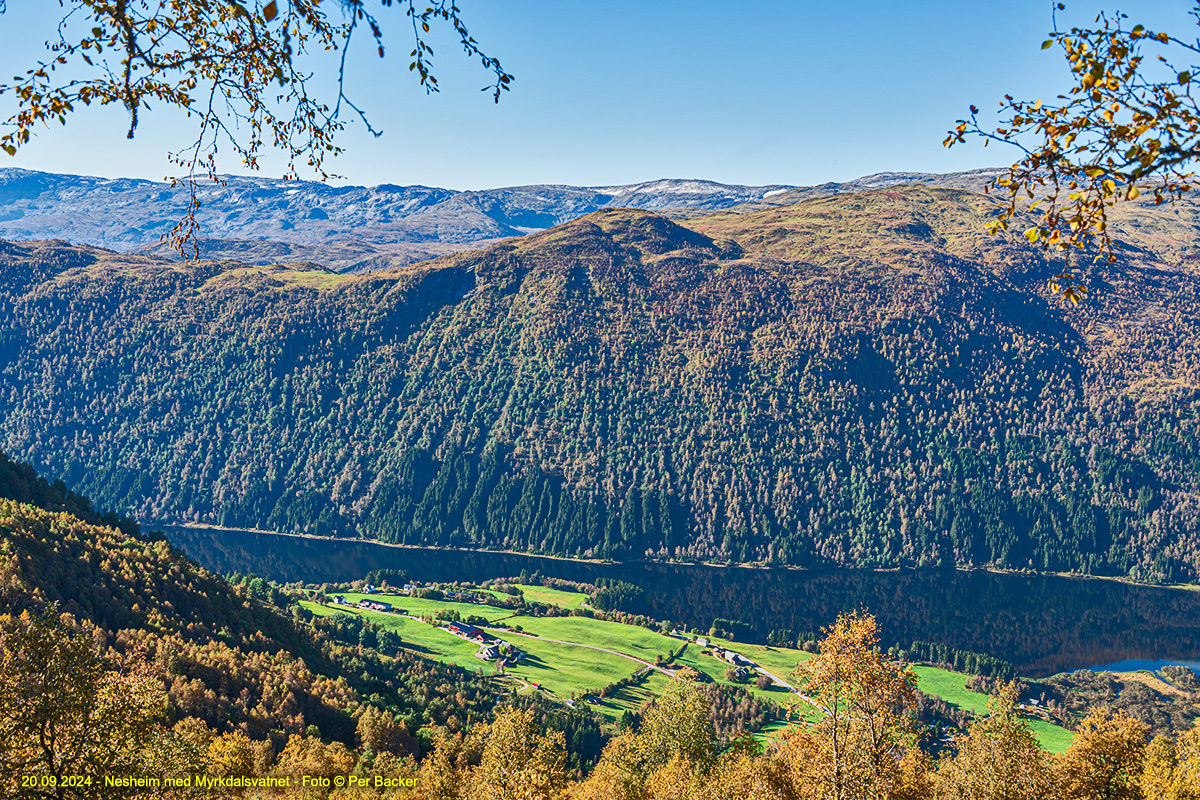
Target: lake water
1042 624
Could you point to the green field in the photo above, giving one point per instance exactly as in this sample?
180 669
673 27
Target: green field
553 597
630 698
770 730
952 687
566 669
779 661
419 607
715 669
629 639
421 638
1051 737
638 695
712 667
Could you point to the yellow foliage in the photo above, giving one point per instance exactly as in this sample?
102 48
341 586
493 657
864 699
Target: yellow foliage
675 780
439 775
1105 758
1187 765
855 747
308 755
998 758
1158 770
750 777
613 778
1092 141
606 781
64 711
231 755
518 760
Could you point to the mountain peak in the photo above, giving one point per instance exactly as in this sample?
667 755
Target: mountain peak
358 228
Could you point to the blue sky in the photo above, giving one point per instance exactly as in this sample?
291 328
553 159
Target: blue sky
752 92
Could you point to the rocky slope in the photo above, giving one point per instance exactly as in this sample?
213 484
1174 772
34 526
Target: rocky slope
351 228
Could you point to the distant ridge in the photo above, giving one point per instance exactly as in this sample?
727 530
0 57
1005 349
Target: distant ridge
357 228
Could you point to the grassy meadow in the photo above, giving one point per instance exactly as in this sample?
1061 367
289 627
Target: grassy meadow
571 666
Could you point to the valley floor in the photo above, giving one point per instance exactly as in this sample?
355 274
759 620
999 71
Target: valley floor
570 658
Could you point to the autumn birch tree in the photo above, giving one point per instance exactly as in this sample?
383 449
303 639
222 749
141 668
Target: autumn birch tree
862 730
67 711
519 761
1130 122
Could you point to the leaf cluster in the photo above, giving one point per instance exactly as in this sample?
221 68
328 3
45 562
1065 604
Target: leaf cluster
1129 122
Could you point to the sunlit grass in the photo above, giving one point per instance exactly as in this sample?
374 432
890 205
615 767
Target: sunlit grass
951 687
565 669
423 639
630 639
418 606
554 597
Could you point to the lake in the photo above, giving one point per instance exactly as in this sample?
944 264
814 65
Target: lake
1041 624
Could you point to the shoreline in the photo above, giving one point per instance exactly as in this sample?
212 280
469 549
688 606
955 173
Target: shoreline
198 526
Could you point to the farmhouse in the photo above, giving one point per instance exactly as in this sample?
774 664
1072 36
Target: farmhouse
510 652
733 658
466 631
375 605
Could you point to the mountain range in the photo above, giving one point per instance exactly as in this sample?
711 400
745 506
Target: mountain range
356 228
859 379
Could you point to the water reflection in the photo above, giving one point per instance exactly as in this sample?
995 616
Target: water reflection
1041 624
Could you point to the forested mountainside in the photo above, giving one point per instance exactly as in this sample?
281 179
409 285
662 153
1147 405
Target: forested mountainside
225 654
862 379
20 482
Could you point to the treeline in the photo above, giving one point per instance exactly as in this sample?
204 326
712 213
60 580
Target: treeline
731 629
20 482
613 595
786 637
395 578
624 386
961 660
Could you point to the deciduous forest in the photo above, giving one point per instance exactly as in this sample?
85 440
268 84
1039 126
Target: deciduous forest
861 380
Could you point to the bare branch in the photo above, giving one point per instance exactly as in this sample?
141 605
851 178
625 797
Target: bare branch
218 60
